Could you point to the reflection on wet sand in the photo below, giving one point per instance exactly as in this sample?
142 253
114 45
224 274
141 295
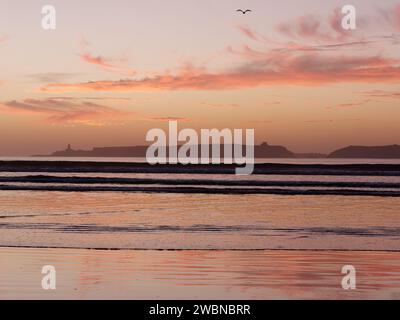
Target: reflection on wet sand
124 274
179 221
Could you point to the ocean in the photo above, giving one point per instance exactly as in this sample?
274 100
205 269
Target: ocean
185 234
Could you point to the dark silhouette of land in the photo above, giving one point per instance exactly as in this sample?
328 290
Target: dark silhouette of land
357 152
260 151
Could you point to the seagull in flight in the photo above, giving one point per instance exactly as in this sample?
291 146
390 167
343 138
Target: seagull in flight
243 11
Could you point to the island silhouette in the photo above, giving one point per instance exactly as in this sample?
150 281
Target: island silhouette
263 150
260 151
376 152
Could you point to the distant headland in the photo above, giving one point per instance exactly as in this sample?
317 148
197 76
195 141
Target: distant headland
378 152
263 150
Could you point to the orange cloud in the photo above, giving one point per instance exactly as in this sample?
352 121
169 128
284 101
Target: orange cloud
275 69
65 112
290 63
169 119
95 60
112 65
382 94
106 64
351 104
112 99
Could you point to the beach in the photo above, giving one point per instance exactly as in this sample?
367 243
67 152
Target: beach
152 235
200 150
258 275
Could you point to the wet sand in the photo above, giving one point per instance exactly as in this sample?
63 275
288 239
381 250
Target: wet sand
167 236
117 220
137 274
200 190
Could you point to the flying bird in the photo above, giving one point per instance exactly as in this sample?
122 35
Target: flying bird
243 11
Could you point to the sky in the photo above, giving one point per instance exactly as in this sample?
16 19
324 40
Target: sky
112 70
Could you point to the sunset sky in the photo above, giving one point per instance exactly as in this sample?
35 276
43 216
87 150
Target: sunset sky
112 70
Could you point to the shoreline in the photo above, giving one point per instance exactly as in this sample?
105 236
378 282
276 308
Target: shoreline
44 179
199 190
259 168
205 250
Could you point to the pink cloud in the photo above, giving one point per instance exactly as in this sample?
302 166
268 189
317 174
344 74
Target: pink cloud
396 13
390 17
107 64
322 62
309 27
59 111
248 32
335 21
276 69
96 60
254 35
329 30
